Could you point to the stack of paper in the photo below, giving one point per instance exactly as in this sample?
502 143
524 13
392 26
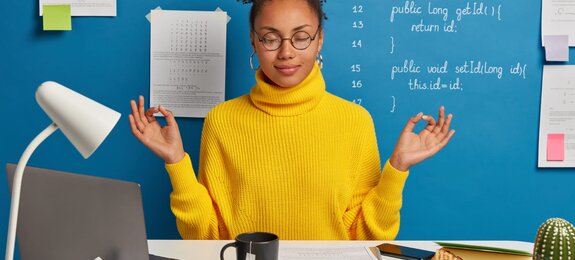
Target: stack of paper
326 253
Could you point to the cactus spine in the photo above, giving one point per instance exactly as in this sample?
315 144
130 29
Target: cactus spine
555 240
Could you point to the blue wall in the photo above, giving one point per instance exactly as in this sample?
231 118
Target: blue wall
484 185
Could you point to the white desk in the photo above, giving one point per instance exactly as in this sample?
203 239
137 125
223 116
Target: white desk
210 249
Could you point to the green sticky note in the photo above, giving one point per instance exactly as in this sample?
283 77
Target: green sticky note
57 18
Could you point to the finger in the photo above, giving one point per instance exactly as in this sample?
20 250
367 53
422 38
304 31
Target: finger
445 140
412 122
430 123
445 128
136 116
440 120
442 142
170 120
150 114
141 110
134 128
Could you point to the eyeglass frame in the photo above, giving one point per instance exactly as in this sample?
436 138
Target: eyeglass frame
312 38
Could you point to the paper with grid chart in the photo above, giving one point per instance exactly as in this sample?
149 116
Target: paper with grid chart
187 61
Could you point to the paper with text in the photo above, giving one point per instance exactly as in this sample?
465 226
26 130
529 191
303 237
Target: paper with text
557 113
326 253
85 7
188 61
558 18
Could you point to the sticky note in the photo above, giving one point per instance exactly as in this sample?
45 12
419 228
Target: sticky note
556 47
555 147
57 18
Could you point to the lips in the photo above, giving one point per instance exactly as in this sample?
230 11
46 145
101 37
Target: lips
287 70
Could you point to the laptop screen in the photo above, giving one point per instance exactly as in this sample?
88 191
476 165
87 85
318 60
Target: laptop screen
72 216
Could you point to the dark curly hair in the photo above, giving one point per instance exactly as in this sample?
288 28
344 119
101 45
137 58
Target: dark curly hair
316 5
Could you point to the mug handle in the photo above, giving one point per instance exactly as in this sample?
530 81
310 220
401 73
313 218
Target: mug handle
226 247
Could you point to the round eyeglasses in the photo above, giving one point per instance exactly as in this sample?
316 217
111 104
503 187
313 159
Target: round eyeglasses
300 40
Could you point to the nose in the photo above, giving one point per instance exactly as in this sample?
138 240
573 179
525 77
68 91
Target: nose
286 50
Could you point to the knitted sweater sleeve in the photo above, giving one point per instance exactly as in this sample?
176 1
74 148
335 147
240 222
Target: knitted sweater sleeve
373 213
190 200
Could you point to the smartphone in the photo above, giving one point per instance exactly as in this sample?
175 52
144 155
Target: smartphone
403 252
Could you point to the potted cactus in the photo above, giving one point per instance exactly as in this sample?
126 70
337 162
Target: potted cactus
555 240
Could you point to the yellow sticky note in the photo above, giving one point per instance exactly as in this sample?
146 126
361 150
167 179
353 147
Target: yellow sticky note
57 18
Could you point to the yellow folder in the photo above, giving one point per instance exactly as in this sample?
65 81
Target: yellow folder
474 252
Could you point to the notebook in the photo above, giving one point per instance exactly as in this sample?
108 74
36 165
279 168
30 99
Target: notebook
72 216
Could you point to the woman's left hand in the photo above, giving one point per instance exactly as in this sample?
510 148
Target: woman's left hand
412 148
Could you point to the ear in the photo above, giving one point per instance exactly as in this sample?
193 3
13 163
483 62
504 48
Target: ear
252 40
320 41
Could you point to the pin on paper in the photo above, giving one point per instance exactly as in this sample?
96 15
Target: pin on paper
556 47
220 10
149 15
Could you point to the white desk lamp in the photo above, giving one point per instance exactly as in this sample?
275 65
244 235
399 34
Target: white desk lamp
83 121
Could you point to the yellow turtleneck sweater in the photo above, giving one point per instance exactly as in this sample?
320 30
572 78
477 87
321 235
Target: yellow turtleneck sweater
298 162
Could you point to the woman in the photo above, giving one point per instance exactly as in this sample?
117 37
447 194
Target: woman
289 157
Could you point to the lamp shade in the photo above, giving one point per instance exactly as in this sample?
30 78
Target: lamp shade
85 122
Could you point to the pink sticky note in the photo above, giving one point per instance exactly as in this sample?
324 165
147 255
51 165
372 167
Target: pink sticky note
556 47
555 147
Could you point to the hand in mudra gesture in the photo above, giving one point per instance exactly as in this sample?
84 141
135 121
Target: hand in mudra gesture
412 148
164 141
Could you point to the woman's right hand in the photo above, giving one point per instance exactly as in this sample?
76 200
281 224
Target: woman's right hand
166 141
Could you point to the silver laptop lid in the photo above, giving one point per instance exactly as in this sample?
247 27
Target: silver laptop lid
72 216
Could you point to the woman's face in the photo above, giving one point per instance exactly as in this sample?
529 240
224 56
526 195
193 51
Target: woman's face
287 66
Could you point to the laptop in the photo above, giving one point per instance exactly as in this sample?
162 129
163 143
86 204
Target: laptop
72 216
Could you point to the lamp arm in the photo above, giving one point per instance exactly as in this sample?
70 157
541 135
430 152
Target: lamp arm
17 184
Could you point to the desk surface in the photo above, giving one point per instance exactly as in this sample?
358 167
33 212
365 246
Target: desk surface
210 249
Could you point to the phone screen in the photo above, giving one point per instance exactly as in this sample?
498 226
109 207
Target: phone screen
404 252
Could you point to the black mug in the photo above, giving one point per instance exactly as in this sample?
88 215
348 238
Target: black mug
260 245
